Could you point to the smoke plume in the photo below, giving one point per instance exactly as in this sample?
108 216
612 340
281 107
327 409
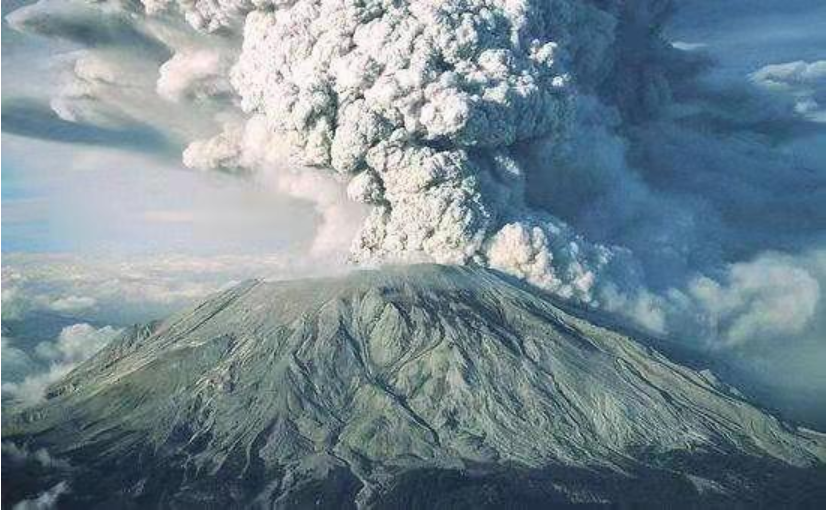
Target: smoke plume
423 108
565 142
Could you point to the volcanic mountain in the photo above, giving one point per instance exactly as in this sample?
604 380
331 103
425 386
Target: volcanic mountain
419 386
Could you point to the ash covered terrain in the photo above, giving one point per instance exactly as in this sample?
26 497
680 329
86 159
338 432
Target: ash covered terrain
419 386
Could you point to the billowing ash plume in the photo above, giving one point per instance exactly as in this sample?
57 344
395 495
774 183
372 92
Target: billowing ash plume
469 128
415 101
565 142
420 106
426 111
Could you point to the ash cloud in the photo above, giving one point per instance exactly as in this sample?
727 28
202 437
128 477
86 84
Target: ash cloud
566 142
424 108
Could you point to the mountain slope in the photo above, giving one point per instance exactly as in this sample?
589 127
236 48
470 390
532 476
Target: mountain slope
410 386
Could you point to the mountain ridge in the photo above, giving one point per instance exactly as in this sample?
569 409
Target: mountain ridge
359 389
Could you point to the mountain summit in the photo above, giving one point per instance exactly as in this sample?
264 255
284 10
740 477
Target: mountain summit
420 386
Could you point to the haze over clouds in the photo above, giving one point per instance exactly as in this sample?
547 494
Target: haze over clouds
590 147
75 304
130 290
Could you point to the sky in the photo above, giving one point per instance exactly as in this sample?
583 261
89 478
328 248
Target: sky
99 201
703 224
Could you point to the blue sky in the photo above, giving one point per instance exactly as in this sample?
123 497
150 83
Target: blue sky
69 198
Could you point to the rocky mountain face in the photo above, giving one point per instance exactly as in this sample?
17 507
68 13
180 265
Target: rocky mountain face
421 386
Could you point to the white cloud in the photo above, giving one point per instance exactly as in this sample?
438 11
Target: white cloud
264 155
773 302
73 304
74 345
46 500
549 258
803 82
137 289
773 297
378 107
687 46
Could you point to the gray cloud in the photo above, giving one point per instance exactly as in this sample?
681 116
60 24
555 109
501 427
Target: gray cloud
30 118
90 26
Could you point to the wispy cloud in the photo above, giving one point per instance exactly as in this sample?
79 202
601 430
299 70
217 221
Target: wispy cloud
29 118
46 500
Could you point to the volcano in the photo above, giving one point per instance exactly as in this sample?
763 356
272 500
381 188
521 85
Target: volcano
419 386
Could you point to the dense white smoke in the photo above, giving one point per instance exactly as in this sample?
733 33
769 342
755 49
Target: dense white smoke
420 106
490 132
420 110
466 127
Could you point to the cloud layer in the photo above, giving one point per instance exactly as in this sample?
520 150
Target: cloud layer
134 290
74 345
